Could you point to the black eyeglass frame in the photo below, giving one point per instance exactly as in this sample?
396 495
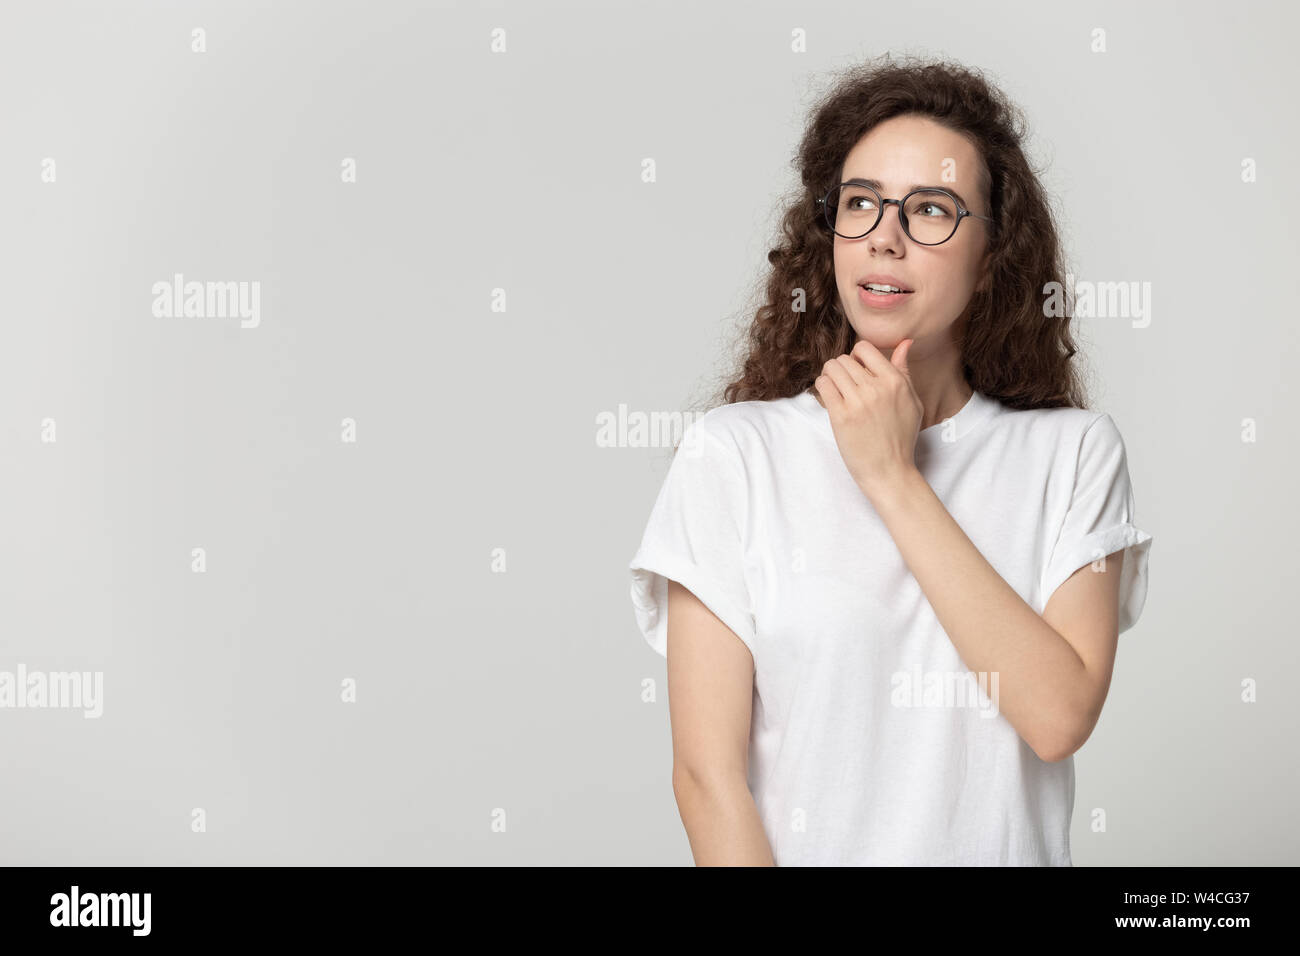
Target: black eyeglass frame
962 212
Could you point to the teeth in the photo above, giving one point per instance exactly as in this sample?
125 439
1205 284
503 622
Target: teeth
881 288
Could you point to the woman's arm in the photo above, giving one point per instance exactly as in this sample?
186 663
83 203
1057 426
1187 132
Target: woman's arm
710 696
1054 670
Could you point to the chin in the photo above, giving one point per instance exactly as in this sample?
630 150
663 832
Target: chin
886 340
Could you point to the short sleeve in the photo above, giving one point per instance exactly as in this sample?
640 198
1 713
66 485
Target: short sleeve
1100 521
695 536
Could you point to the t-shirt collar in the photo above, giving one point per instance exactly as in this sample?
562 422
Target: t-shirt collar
978 407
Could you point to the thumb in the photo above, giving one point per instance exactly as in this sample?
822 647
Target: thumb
899 357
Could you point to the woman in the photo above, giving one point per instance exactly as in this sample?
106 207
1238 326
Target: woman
889 574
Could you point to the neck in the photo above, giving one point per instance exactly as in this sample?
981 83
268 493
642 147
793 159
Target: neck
941 397
938 382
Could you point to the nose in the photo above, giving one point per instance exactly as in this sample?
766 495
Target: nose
888 234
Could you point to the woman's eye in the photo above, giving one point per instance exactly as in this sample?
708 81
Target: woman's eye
939 210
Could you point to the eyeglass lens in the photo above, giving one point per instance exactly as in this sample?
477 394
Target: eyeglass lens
929 216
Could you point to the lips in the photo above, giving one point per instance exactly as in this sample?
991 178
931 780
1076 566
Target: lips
884 279
881 300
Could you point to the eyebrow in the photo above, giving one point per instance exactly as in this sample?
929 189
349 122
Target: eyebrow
875 184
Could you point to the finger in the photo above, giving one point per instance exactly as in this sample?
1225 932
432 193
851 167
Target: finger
871 357
855 369
838 374
899 357
829 392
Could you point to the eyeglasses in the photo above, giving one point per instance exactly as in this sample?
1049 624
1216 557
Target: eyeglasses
929 216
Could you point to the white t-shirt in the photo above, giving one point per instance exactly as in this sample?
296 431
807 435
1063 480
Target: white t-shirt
854 756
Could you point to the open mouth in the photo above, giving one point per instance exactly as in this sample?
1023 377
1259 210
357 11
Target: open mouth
876 288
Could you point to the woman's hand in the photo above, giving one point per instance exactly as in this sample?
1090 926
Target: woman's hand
875 413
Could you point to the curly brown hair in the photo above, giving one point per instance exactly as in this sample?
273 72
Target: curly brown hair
1009 349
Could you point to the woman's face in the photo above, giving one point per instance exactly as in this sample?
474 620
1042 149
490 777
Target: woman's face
899 154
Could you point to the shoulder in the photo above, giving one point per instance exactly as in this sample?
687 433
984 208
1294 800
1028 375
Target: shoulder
1089 431
742 428
1068 440
1061 427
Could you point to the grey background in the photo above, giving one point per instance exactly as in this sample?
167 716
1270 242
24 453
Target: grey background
523 690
